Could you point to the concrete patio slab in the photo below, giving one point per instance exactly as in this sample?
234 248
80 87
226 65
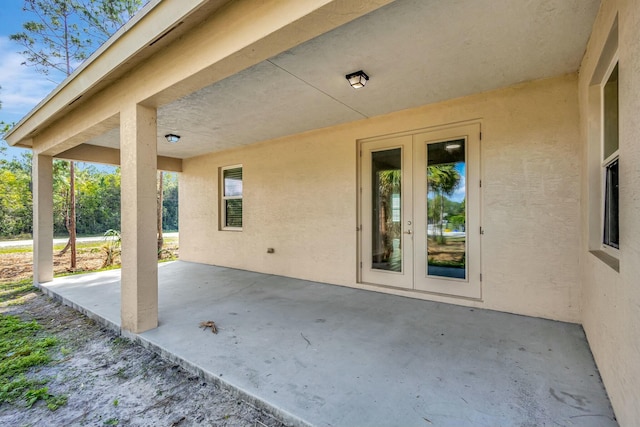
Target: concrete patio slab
326 355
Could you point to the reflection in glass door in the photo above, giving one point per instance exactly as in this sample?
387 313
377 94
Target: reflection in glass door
386 203
434 178
386 212
447 201
446 209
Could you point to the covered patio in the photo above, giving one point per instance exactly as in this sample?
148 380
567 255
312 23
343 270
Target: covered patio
324 355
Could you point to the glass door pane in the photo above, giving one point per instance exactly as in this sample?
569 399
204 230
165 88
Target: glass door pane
386 212
446 213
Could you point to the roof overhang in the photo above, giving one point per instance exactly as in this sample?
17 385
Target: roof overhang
229 73
153 27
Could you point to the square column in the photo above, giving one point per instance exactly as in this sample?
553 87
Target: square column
42 173
138 162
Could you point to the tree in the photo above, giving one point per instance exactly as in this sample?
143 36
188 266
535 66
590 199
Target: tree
98 198
102 18
159 214
443 179
4 128
389 183
61 37
170 202
66 32
16 201
54 41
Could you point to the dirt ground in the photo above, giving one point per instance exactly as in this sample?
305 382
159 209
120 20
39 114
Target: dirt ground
452 251
110 381
18 265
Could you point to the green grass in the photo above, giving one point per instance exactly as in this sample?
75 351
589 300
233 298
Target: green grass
16 250
79 245
97 270
58 247
23 347
11 293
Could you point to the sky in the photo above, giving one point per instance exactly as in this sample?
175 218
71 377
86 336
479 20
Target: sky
461 190
21 86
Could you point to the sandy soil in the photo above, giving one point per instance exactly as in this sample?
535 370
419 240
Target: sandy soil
17 266
451 251
108 380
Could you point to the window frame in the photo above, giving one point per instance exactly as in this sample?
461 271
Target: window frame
605 163
608 242
224 198
596 164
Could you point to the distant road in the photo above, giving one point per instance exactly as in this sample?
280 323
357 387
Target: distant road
14 243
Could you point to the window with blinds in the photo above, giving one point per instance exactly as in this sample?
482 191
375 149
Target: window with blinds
231 203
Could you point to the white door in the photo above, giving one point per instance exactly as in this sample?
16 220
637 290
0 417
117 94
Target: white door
387 244
420 204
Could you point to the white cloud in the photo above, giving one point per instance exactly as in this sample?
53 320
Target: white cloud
22 87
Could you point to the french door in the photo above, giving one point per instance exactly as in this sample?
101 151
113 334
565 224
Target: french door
420 211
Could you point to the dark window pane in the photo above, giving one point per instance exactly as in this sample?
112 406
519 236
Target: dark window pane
386 170
446 209
611 206
610 94
233 212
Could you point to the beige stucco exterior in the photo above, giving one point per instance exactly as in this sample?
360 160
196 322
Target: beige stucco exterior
539 203
177 57
611 299
300 198
139 281
43 218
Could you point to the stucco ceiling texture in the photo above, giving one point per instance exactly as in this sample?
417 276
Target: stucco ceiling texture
416 52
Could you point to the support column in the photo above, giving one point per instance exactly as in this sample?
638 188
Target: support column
42 179
138 162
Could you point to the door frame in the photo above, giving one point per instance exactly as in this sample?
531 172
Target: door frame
473 129
405 278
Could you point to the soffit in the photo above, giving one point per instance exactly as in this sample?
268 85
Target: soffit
416 52
150 31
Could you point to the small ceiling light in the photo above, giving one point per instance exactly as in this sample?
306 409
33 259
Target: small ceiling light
357 79
451 147
172 138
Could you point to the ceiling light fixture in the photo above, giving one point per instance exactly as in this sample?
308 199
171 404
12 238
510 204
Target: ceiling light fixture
172 138
358 79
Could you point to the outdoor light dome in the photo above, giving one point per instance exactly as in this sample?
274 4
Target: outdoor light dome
172 138
358 79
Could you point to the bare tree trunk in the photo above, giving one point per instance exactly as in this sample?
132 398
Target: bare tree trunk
70 220
72 215
160 199
66 224
441 217
72 165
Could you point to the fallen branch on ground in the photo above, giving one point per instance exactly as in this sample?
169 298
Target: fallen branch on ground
306 339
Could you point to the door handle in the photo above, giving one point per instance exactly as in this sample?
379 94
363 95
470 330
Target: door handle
407 232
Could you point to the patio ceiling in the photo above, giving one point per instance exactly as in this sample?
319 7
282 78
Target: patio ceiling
415 51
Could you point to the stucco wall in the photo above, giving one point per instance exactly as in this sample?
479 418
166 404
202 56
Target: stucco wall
300 198
611 299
